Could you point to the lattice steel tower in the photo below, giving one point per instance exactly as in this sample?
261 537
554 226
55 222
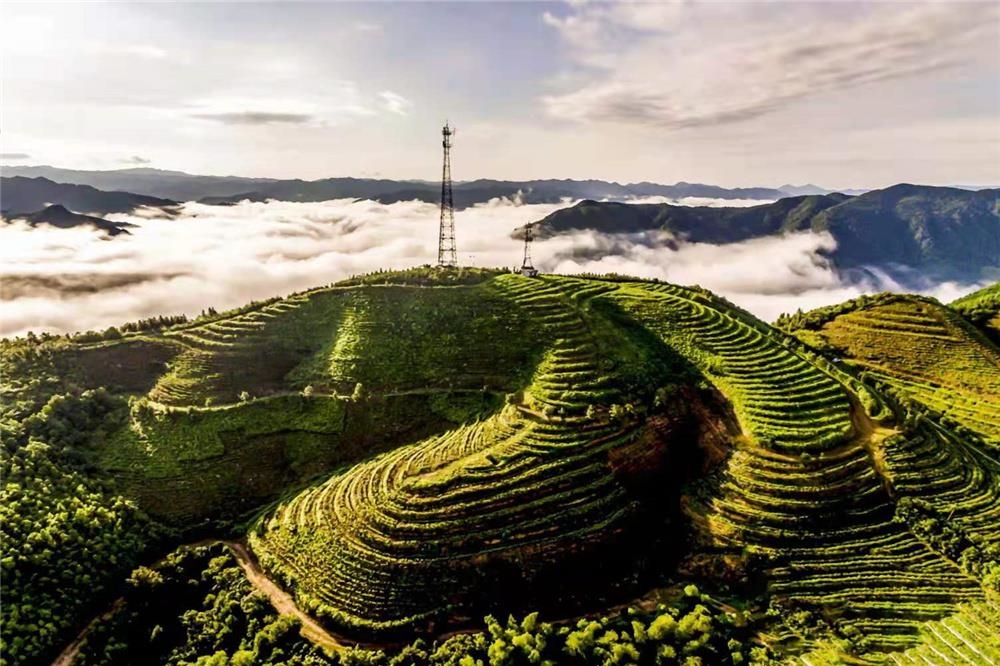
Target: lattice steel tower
526 267
447 255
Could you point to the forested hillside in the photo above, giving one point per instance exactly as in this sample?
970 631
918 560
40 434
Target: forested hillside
914 232
22 196
471 466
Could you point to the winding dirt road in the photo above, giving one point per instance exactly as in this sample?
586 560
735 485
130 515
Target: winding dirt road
281 600
68 656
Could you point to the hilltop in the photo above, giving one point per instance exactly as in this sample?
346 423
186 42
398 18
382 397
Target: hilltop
625 467
60 217
915 233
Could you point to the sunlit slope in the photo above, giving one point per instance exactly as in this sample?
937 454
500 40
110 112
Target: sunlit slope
262 398
967 637
813 504
982 308
413 455
783 400
389 338
533 500
920 348
813 463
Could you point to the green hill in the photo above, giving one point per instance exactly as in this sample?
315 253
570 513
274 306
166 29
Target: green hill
919 348
407 453
700 224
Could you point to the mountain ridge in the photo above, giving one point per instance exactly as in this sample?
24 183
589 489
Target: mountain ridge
177 185
21 195
916 233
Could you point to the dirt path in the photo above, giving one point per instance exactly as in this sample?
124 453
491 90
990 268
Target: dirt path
68 656
281 600
868 434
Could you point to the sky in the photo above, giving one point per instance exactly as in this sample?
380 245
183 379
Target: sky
736 94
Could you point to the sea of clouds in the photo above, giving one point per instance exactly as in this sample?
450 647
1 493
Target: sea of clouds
66 280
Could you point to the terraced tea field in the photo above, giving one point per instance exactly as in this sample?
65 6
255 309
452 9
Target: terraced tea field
811 510
809 486
228 420
411 536
408 453
783 401
982 308
928 353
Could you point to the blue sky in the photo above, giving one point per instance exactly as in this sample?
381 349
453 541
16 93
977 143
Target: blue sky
846 95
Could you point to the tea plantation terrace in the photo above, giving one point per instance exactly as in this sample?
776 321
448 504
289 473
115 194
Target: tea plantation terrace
408 452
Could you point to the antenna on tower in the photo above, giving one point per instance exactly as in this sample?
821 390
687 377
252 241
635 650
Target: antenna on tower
526 268
447 254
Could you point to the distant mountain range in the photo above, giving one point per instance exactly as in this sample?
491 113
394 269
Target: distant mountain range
179 186
809 188
915 233
21 195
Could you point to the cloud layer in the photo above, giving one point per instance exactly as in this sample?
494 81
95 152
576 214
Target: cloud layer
254 117
64 280
684 65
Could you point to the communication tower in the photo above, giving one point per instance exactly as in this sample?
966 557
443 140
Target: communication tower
447 255
526 268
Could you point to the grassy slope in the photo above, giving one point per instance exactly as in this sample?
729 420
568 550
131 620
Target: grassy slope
482 502
982 308
803 491
470 521
228 426
920 348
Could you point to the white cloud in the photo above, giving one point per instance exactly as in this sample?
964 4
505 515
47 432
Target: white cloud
129 50
674 65
395 103
65 280
336 102
366 27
